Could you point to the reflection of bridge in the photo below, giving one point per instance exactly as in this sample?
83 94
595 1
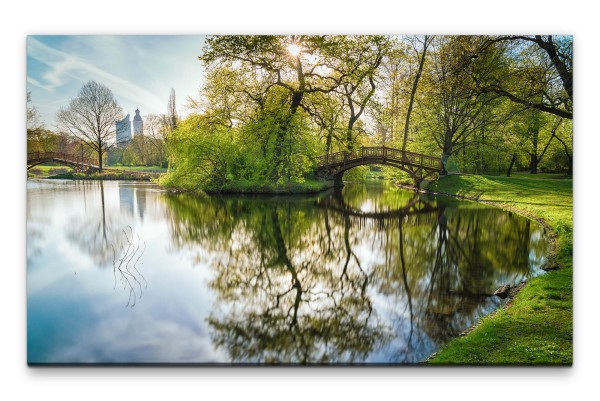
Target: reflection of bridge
415 206
418 165
417 211
79 163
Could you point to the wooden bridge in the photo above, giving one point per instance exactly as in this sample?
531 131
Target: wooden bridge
79 163
417 165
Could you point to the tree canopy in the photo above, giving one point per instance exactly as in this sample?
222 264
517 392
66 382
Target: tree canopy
270 103
91 117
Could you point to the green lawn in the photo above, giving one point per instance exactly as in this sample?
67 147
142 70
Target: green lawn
55 168
538 326
43 170
153 169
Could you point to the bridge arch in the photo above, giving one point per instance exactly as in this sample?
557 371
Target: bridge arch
77 163
417 165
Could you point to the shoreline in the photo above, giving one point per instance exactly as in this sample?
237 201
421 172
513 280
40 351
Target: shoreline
504 329
552 248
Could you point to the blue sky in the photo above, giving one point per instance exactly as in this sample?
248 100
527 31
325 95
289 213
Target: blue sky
140 70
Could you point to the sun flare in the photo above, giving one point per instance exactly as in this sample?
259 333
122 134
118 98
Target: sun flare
293 49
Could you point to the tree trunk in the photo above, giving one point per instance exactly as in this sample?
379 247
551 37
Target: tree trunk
446 153
100 160
349 141
535 139
412 94
512 162
283 129
328 143
534 163
569 156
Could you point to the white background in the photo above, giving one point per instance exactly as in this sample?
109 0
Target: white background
19 19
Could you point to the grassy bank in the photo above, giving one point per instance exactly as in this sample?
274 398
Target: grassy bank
537 328
108 176
192 183
146 169
45 171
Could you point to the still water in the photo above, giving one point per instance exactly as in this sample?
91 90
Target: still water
121 272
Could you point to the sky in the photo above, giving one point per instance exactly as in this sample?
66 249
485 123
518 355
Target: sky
140 70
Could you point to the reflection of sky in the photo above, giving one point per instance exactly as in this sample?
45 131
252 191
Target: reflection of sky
77 306
75 311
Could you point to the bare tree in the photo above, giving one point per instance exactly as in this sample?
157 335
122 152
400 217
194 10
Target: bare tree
91 117
33 116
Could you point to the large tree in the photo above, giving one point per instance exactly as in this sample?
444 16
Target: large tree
553 55
91 117
421 57
457 108
288 63
360 58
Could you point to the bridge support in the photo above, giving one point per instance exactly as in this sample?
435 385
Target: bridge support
337 181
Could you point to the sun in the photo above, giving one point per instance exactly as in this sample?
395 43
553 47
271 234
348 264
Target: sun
293 49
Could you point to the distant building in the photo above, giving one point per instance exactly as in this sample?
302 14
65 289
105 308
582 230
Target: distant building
138 124
123 131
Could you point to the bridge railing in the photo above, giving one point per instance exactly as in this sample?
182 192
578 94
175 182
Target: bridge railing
380 152
35 156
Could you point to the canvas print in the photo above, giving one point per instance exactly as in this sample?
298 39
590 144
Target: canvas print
299 200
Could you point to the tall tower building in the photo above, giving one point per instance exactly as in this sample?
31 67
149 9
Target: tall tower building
138 124
123 131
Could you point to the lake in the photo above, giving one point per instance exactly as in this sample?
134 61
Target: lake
126 273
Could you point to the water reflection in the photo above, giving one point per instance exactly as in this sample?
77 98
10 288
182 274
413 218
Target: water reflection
372 274
380 276
94 234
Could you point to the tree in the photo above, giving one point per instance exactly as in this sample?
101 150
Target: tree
426 42
553 55
172 116
157 131
457 107
91 117
355 61
292 65
34 121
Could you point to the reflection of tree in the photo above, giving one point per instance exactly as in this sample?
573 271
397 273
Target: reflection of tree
284 302
95 234
351 279
295 309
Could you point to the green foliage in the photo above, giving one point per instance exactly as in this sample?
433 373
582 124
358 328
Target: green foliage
274 149
200 154
269 104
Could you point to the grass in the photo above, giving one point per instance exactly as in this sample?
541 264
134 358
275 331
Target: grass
134 173
107 176
44 171
150 169
537 328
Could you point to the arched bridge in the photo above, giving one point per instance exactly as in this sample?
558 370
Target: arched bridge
79 163
417 165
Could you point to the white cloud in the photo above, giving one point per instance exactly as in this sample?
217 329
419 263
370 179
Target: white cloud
64 66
